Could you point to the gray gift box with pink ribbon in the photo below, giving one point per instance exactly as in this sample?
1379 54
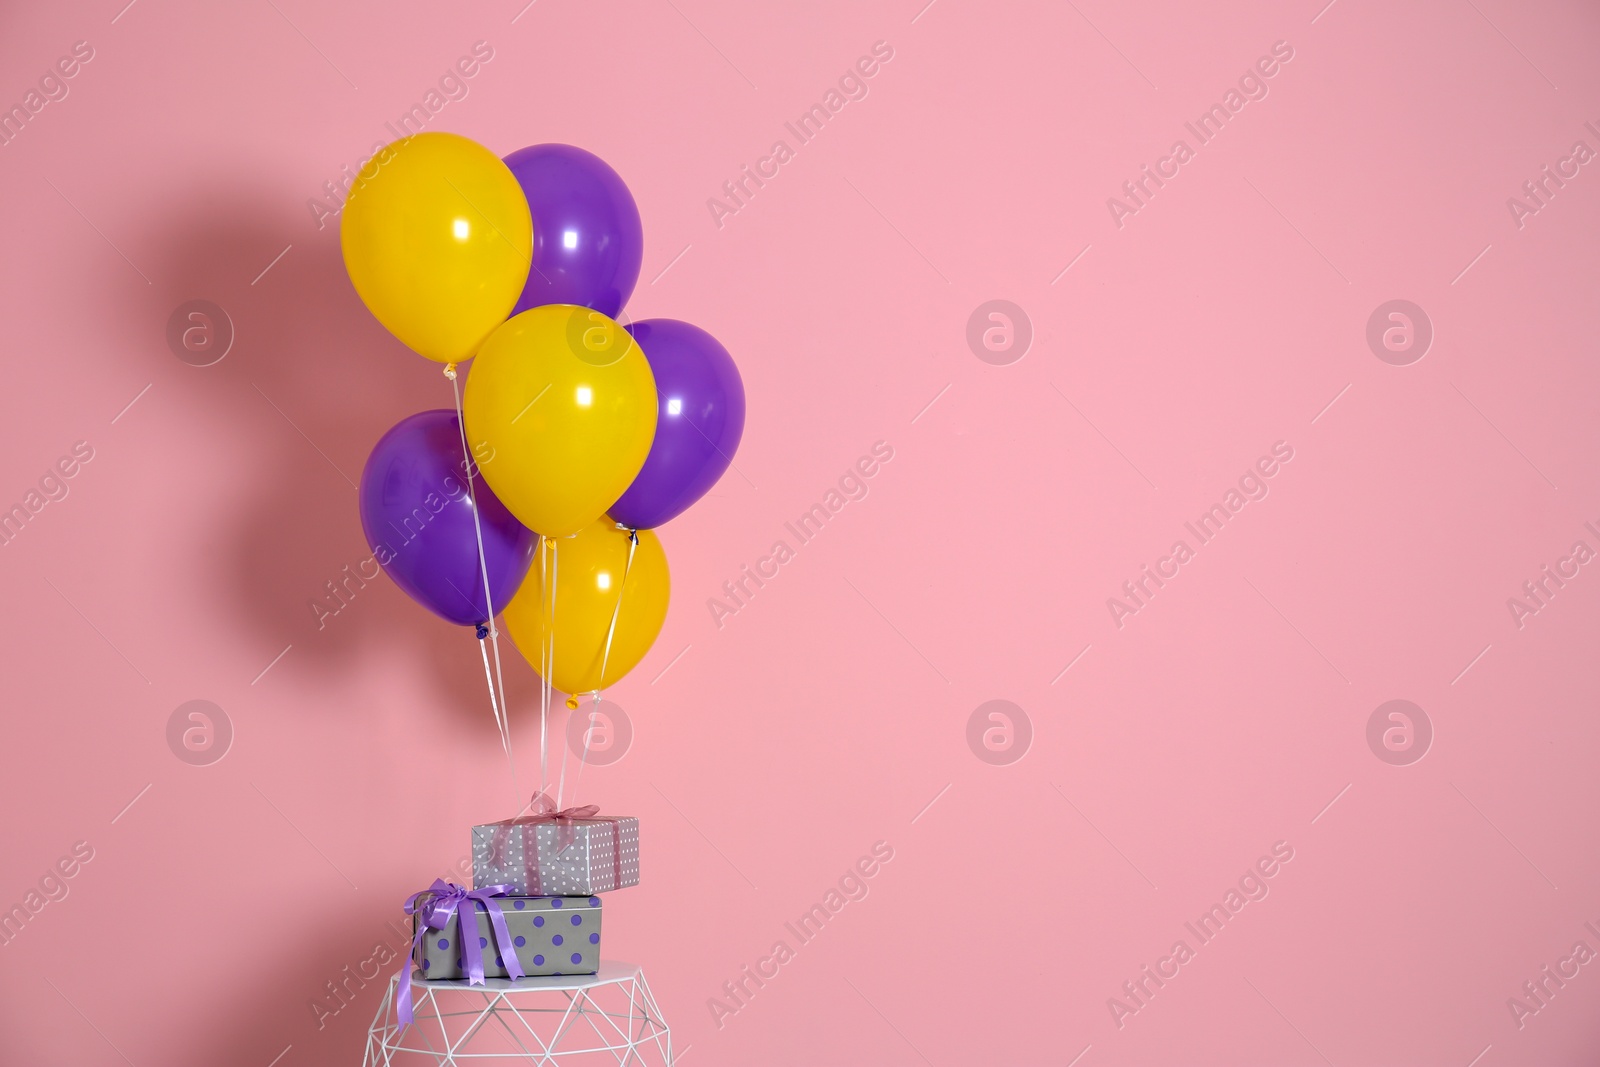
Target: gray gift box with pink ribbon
575 852
550 935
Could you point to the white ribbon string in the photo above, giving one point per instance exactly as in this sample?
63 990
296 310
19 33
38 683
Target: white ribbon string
547 654
493 703
544 673
616 610
550 635
584 759
497 702
605 658
561 786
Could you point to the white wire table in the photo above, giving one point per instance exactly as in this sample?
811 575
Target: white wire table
568 1019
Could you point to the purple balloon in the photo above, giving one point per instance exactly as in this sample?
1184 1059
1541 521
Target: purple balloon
698 426
416 511
587 238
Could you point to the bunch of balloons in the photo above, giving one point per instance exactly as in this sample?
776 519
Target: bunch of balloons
577 435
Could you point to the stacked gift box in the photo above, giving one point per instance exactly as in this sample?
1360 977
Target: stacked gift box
535 907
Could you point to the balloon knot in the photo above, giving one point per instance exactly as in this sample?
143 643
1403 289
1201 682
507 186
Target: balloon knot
450 371
572 703
483 631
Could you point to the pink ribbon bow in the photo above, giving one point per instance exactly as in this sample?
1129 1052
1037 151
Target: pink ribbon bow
566 820
547 811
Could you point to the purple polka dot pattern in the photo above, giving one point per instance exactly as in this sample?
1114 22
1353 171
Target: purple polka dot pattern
537 943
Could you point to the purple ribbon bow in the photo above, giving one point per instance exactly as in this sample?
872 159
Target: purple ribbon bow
565 820
434 908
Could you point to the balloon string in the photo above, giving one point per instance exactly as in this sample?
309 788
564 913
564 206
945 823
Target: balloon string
584 759
483 647
494 704
605 658
505 711
502 713
500 706
547 653
622 587
561 786
544 673
550 638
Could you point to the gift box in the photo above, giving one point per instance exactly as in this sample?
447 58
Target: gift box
550 935
576 852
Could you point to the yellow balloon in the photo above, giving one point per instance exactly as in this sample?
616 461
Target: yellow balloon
561 410
437 240
586 571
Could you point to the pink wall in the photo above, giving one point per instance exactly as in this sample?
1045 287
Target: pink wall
1187 340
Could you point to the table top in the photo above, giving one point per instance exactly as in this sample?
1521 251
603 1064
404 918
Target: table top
610 971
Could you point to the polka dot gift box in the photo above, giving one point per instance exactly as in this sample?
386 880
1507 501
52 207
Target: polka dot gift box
550 935
558 855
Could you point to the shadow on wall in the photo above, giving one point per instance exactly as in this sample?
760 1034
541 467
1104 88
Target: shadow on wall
313 380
